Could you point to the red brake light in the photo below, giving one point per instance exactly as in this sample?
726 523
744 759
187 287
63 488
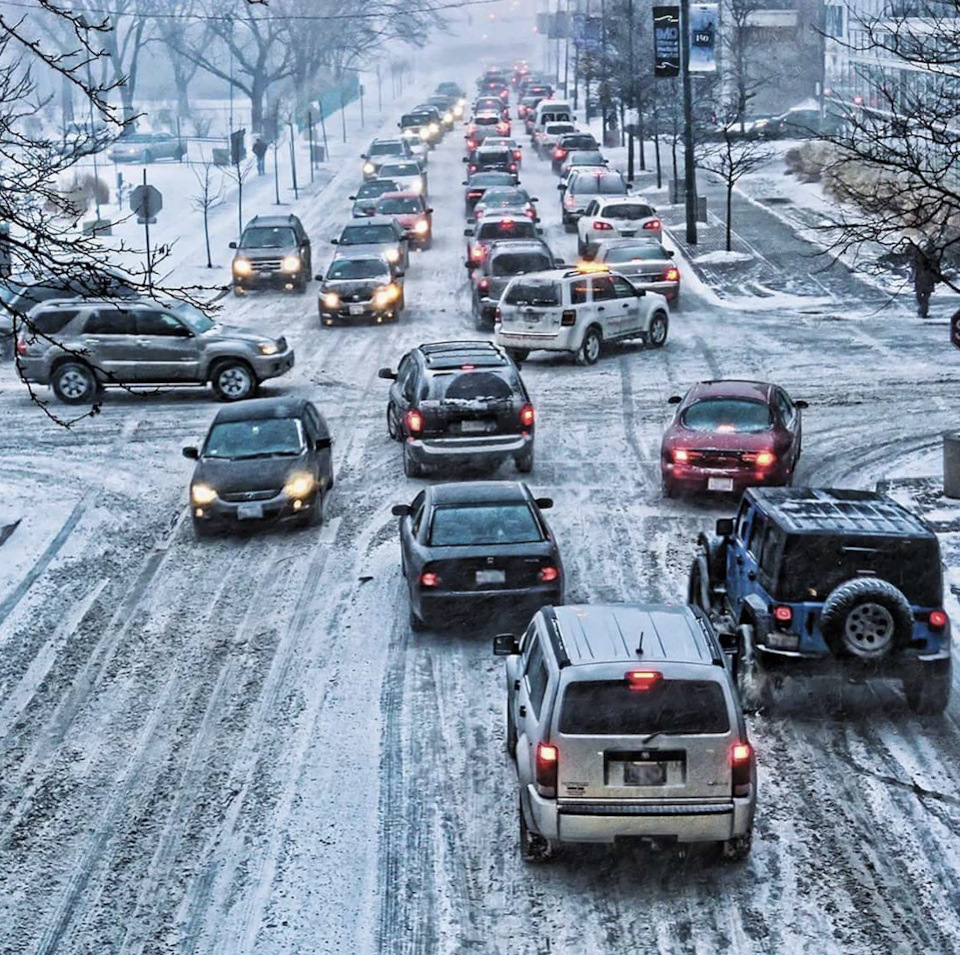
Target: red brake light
568 317
476 253
671 275
414 421
681 455
513 167
652 224
741 758
506 223
549 574
471 144
467 367
517 153
740 753
643 679
938 619
21 346
497 317
483 285
602 226
548 758
527 416
559 153
782 614
531 214
765 459
429 579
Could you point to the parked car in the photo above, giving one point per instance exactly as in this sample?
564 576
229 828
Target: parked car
267 460
624 217
460 403
413 214
648 265
503 262
376 235
147 148
106 342
360 287
623 721
728 435
365 201
577 312
477 549
273 251
815 581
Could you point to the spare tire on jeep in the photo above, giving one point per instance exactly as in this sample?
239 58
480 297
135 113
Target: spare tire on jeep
866 618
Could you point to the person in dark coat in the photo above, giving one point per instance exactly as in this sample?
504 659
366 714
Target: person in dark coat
925 277
260 151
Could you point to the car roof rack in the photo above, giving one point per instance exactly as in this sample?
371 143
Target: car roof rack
445 355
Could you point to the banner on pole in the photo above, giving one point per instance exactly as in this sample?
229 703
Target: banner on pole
703 37
666 41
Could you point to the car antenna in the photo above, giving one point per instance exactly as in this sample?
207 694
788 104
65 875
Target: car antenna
640 645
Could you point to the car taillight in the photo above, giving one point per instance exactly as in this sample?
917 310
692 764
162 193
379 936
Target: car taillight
483 285
527 416
476 253
568 317
548 759
600 226
503 128
570 202
741 758
497 317
559 153
549 574
681 455
643 679
938 619
474 195
472 168
531 213
429 579
671 275
21 346
414 421
471 144
513 167
765 459
783 614
652 224
517 153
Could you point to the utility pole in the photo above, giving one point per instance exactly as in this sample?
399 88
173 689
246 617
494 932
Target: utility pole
566 54
633 91
689 171
603 87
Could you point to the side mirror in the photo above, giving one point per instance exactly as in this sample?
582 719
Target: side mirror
400 510
468 233
324 443
629 185
387 373
801 404
544 503
561 186
232 245
318 277
399 274
505 645
464 183
352 198
192 454
472 221
466 159
670 253
674 400
429 212
334 241
539 231
363 155
724 526
557 264
534 199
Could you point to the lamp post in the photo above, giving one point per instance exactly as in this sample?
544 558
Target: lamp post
689 171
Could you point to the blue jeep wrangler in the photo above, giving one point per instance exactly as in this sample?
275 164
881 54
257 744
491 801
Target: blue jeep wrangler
807 581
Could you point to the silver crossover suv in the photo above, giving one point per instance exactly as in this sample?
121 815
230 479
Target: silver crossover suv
624 722
79 346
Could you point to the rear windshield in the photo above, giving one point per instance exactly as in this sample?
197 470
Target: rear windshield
517 263
579 142
491 179
395 207
486 385
263 237
489 156
533 292
627 210
415 119
367 235
480 524
822 563
513 197
612 708
376 187
358 269
386 149
636 253
263 438
731 415
487 120
556 129
585 157
507 229
599 185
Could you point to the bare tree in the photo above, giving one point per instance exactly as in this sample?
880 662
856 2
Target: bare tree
239 173
208 197
172 30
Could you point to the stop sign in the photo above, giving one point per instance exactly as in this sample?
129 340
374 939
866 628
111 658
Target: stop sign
146 202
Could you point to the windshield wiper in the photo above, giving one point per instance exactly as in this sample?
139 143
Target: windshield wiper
653 736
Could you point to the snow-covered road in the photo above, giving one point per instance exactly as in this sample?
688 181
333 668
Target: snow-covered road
237 746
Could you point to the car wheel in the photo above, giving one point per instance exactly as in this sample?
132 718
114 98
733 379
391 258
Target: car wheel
569 226
74 383
659 326
301 287
667 487
675 301
410 467
927 689
738 848
525 462
518 354
202 529
393 428
589 350
866 618
314 517
753 682
698 589
533 847
233 381
511 737
416 624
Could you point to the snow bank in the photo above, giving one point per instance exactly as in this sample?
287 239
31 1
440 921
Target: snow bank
722 257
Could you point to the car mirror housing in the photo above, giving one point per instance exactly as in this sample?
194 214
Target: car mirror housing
464 183
724 526
388 373
318 277
468 233
400 510
192 454
334 241
232 245
674 400
670 253
505 645
544 503
363 155
802 404
466 159
561 186
352 198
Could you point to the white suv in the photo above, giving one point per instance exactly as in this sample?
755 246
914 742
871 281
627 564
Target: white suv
623 217
577 312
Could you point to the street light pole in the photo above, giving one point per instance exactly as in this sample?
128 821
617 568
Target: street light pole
633 93
689 171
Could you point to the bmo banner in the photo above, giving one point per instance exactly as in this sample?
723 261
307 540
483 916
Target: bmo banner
703 37
666 41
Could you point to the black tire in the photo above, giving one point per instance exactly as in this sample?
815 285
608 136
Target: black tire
416 624
569 226
754 684
203 530
659 329
927 688
699 592
589 351
736 849
233 380
314 517
533 848
525 462
511 737
301 287
410 467
667 487
74 383
866 618
518 354
392 428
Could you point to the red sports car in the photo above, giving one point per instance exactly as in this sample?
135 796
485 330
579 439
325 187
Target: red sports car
728 435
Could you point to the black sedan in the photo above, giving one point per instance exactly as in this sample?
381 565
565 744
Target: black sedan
477 550
480 182
263 460
360 288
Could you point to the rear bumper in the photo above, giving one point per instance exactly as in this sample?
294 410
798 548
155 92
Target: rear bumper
480 606
696 479
601 820
896 666
565 339
472 450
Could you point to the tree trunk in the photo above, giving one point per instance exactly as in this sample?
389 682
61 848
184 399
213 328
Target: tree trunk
729 211
206 230
256 106
181 80
642 140
66 95
656 149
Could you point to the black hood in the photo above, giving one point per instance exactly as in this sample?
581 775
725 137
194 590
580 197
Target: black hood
256 474
348 288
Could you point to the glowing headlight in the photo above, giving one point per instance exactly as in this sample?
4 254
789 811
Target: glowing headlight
448 117
392 255
242 267
416 187
268 348
434 128
202 494
369 168
299 485
290 263
386 296
331 300
458 111
408 133
424 134
422 227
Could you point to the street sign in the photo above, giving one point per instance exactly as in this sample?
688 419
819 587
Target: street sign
146 202
666 41
703 37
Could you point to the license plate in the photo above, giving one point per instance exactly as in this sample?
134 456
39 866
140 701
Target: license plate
357 309
628 232
532 318
719 484
644 774
491 577
474 427
248 512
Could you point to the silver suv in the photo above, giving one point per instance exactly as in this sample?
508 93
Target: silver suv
624 722
78 346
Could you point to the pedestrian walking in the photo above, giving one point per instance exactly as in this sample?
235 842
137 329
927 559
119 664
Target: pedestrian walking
260 151
925 277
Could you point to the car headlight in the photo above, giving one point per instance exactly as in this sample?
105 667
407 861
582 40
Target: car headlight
331 300
300 485
448 117
386 295
392 255
369 168
202 494
408 133
434 128
242 267
422 227
458 111
290 263
268 348
424 134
